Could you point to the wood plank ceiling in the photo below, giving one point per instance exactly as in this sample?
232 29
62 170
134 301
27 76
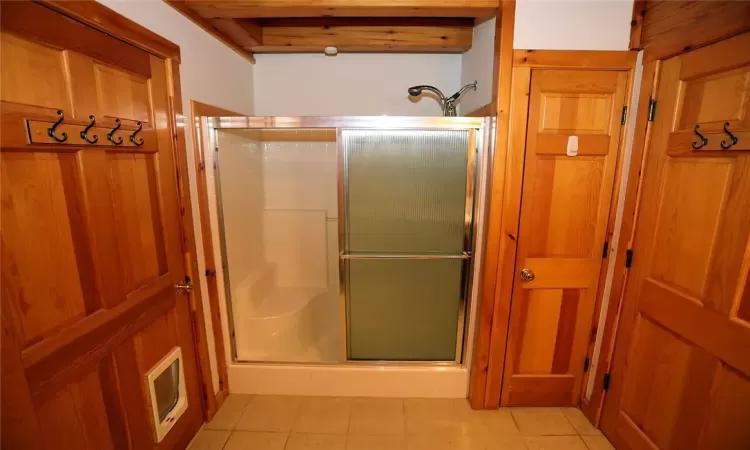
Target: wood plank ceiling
307 26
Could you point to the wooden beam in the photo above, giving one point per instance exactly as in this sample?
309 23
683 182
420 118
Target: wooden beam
636 24
366 35
182 7
343 8
488 357
243 32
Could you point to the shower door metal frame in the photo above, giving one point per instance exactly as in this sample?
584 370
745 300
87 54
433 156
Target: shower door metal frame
478 142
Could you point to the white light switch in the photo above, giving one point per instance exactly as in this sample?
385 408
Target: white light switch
572 149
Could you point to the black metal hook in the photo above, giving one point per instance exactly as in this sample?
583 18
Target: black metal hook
732 138
704 141
111 134
51 130
84 133
132 136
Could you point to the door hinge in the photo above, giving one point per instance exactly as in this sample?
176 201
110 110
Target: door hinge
586 363
628 258
210 272
605 250
651 109
605 382
624 115
202 165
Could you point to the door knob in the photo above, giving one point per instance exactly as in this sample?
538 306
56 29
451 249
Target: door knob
527 275
184 287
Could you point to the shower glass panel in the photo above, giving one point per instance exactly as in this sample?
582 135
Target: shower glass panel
407 202
279 212
344 240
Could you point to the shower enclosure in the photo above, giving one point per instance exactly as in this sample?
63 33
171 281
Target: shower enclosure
346 239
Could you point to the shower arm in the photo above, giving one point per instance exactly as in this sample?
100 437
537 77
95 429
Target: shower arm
449 108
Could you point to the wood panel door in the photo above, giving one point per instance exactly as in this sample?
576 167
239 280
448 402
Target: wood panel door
91 240
681 367
566 194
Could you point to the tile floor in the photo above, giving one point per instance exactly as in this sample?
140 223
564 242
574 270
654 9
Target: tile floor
259 422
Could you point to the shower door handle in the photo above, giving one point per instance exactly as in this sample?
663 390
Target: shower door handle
464 255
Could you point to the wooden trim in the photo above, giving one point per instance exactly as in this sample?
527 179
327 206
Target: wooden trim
198 109
207 26
612 225
482 111
98 16
641 140
576 59
211 404
636 24
487 360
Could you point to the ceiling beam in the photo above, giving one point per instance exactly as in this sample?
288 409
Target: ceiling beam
206 24
366 35
343 8
243 32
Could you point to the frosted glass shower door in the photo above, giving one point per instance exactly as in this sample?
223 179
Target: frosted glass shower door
407 201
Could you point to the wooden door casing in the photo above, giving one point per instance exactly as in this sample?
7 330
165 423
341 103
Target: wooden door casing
681 366
91 240
564 211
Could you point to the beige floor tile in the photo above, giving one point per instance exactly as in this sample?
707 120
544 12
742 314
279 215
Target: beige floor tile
323 415
310 441
370 442
498 422
597 443
256 440
269 413
542 421
377 416
555 443
441 417
580 422
209 440
229 413
436 442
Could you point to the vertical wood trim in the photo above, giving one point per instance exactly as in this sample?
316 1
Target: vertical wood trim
510 222
611 225
188 238
641 141
198 109
636 24
481 370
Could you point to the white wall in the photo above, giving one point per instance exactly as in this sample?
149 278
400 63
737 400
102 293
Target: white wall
351 84
210 72
478 65
573 25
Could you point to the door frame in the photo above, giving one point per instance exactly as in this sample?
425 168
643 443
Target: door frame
497 286
198 109
100 17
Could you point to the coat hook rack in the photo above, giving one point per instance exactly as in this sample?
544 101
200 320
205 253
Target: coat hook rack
111 134
133 139
84 133
732 138
702 143
51 130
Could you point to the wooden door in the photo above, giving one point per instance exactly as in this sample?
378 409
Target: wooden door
567 190
681 367
91 240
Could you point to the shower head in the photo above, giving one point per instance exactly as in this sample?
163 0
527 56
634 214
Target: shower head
416 91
